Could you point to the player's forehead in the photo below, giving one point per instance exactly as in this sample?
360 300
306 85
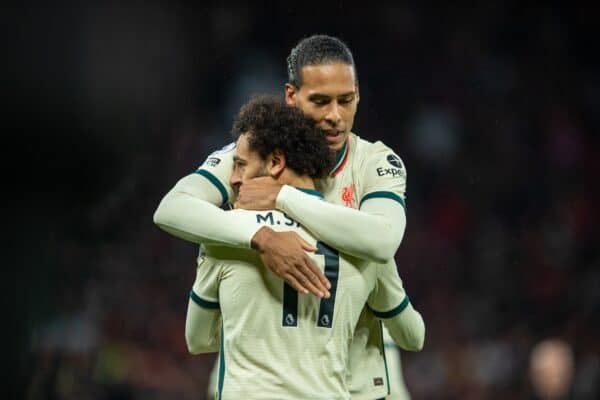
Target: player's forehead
242 149
331 79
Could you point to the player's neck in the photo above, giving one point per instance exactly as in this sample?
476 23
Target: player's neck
292 179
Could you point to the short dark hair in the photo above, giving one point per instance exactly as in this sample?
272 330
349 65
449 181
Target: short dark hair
272 124
317 50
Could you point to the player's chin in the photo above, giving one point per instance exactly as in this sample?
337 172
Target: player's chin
336 142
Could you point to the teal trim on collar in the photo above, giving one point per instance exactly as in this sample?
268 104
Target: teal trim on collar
211 305
312 192
213 179
383 195
340 155
393 312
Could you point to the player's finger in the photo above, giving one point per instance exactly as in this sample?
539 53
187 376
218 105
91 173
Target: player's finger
318 273
289 278
317 277
302 275
305 245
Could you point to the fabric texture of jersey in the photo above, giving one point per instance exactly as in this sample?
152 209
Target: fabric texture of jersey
277 343
372 170
365 171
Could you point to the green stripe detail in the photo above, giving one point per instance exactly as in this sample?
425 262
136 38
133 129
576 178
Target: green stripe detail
393 312
383 195
221 362
339 156
311 192
387 374
213 179
203 303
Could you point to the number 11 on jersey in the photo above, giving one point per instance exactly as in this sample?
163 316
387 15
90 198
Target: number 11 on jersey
327 306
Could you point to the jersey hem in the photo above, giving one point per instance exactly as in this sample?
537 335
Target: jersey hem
379 394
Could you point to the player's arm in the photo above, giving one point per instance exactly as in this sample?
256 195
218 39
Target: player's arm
389 302
203 318
202 326
191 211
187 211
407 327
373 232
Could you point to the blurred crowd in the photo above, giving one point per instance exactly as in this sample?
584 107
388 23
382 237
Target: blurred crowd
493 110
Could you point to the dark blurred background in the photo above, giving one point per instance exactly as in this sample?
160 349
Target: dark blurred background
493 108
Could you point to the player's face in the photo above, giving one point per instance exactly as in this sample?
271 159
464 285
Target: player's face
329 95
247 164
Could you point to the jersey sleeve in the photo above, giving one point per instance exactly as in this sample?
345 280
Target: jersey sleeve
190 210
203 319
389 302
372 233
206 286
384 175
388 298
217 169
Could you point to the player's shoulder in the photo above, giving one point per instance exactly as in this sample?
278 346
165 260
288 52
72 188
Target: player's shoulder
377 151
228 148
224 155
368 146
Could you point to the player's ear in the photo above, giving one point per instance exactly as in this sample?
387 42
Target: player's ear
290 94
276 163
357 91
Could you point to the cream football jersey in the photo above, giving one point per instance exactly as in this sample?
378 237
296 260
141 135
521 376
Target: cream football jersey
364 170
275 342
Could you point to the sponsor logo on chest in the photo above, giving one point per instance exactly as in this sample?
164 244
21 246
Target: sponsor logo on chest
389 171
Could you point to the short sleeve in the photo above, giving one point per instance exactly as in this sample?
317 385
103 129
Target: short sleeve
205 291
217 169
384 175
388 298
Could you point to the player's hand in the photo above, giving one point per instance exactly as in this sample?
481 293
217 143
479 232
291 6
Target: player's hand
284 253
258 194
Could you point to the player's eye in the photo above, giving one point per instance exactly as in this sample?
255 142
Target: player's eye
320 101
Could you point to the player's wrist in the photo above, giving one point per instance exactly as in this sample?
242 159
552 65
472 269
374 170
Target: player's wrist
271 195
260 238
282 194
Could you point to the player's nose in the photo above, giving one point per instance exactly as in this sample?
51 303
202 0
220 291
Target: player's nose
235 180
333 115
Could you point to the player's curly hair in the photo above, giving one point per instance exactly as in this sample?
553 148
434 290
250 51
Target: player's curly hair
317 50
272 124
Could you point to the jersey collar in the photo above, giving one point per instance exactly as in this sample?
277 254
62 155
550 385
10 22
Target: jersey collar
341 157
